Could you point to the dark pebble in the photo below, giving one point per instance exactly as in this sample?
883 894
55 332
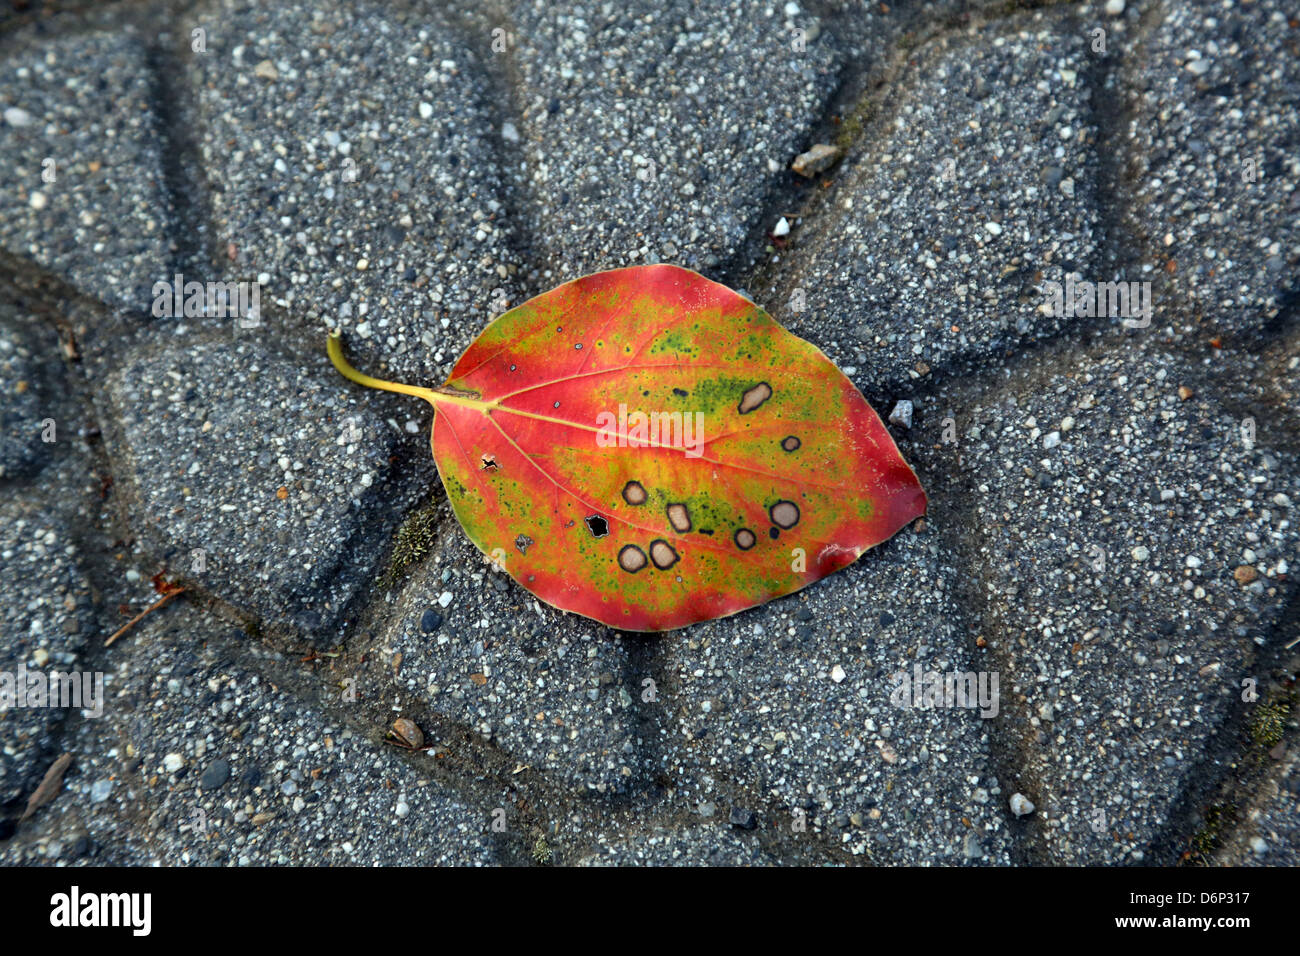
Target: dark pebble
430 621
743 819
215 776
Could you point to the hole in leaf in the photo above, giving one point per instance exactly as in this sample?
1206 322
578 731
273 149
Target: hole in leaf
522 543
597 525
489 462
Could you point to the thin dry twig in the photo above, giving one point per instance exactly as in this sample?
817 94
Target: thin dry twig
48 788
139 617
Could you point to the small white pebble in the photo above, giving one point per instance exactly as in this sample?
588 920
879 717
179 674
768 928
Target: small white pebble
902 414
1021 805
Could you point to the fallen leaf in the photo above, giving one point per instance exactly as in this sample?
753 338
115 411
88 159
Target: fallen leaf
670 452
163 586
48 788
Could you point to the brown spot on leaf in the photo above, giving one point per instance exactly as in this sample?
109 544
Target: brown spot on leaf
679 518
784 514
790 443
634 493
631 558
663 554
755 397
745 539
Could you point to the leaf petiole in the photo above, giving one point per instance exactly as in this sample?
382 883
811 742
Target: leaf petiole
334 346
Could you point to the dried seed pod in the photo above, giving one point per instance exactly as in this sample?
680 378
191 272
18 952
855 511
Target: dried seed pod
406 732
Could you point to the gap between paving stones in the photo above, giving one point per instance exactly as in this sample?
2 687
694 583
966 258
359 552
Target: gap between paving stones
1234 766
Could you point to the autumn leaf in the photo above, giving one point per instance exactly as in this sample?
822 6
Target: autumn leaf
650 449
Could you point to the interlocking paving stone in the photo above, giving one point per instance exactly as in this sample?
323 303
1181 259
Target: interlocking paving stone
253 477
78 108
1270 833
757 705
554 690
28 354
981 186
302 787
655 135
716 845
1134 550
46 620
353 153
1213 89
